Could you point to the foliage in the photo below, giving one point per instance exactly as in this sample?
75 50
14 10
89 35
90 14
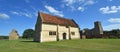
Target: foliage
115 33
86 29
3 37
28 33
83 45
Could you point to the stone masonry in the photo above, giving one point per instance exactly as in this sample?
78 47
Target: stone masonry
14 35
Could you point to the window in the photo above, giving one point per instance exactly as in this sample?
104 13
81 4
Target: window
52 33
73 33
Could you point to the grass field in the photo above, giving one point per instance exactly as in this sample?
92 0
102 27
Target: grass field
86 45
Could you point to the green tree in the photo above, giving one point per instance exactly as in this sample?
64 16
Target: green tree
28 33
115 31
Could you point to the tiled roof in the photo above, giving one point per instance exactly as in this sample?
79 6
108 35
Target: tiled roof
50 19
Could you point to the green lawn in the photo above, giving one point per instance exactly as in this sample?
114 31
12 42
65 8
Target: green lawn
85 45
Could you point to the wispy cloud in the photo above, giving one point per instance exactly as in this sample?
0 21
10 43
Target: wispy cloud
27 15
22 14
4 16
89 2
115 24
27 1
14 12
33 8
78 4
36 10
114 20
54 11
112 26
72 2
109 10
81 9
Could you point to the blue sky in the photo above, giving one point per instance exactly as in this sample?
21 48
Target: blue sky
22 14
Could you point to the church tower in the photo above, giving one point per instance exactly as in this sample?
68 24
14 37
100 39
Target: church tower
98 28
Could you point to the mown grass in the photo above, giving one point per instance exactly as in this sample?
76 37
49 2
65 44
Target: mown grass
86 45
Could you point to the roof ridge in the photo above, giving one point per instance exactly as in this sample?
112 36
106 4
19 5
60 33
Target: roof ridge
56 16
53 19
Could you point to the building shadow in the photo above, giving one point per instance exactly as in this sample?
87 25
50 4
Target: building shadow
26 41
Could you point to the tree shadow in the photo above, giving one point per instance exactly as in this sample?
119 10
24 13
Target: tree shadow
29 41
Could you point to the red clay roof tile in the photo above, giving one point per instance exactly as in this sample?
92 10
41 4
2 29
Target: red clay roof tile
50 19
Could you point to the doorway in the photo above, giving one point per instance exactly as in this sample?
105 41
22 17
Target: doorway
64 36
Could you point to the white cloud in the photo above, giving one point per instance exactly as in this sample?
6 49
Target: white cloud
75 4
71 2
112 26
22 14
51 9
115 24
89 2
81 9
15 13
54 11
109 10
114 20
27 15
27 1
4 16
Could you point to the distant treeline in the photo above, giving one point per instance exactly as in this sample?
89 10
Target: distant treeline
104 36
107 34
112 34
114 31
4 37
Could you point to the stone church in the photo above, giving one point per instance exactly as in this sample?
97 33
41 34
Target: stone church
54 28
96 32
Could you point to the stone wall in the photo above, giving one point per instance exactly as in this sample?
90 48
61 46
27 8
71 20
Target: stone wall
45 33
60 30
77 33
38 29
13 35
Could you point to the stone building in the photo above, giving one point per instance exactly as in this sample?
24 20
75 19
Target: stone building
96 32
83 35
14 35
54 28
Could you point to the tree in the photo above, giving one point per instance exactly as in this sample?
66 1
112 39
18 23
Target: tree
4 37
28 33
115 31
